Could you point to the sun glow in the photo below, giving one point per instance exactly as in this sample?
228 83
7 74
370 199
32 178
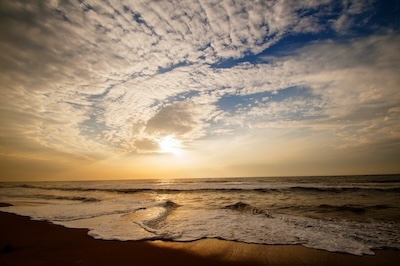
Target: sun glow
169 144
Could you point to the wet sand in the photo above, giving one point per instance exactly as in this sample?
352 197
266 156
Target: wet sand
26 242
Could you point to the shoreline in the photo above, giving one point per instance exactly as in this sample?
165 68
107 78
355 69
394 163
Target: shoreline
27 242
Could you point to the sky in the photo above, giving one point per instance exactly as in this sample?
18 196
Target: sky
177 89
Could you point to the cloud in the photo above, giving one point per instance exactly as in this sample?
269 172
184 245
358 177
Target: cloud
107 78
352 86
186 119
172 119
146 145
350 15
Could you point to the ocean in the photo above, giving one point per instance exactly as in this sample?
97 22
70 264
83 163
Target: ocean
350 214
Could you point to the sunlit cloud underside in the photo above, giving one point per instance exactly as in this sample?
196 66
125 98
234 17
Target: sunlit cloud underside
155 89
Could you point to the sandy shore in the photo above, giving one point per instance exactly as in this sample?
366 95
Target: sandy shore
26 242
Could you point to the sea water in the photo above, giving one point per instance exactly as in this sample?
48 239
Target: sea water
352 214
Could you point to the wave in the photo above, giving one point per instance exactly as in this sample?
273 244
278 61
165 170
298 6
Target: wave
169 204
346 208
246 208
312 189
153 219
239 221
53 197
82 199
343 189
69 218
351 208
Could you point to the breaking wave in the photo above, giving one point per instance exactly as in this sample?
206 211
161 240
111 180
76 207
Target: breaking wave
246 208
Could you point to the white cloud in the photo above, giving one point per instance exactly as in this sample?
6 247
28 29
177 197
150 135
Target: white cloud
348 17
102 77
354 85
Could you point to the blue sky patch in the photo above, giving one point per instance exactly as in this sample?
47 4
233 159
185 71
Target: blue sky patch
231 103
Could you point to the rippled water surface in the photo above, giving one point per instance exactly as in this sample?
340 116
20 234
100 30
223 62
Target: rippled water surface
352 214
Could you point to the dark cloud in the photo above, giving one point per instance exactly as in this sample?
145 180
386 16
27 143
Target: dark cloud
146 145
176 119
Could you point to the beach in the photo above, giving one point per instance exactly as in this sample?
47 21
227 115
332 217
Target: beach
27 242
199 132
350 220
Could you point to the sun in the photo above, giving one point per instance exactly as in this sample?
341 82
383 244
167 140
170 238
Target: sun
170 144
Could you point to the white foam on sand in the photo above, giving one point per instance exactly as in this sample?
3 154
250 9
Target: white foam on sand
168 221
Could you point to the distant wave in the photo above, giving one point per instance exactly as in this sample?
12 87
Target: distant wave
313 189
343 189
352 208
83 199
322 208
347 207
53 197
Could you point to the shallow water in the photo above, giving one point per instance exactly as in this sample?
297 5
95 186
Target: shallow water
352 214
